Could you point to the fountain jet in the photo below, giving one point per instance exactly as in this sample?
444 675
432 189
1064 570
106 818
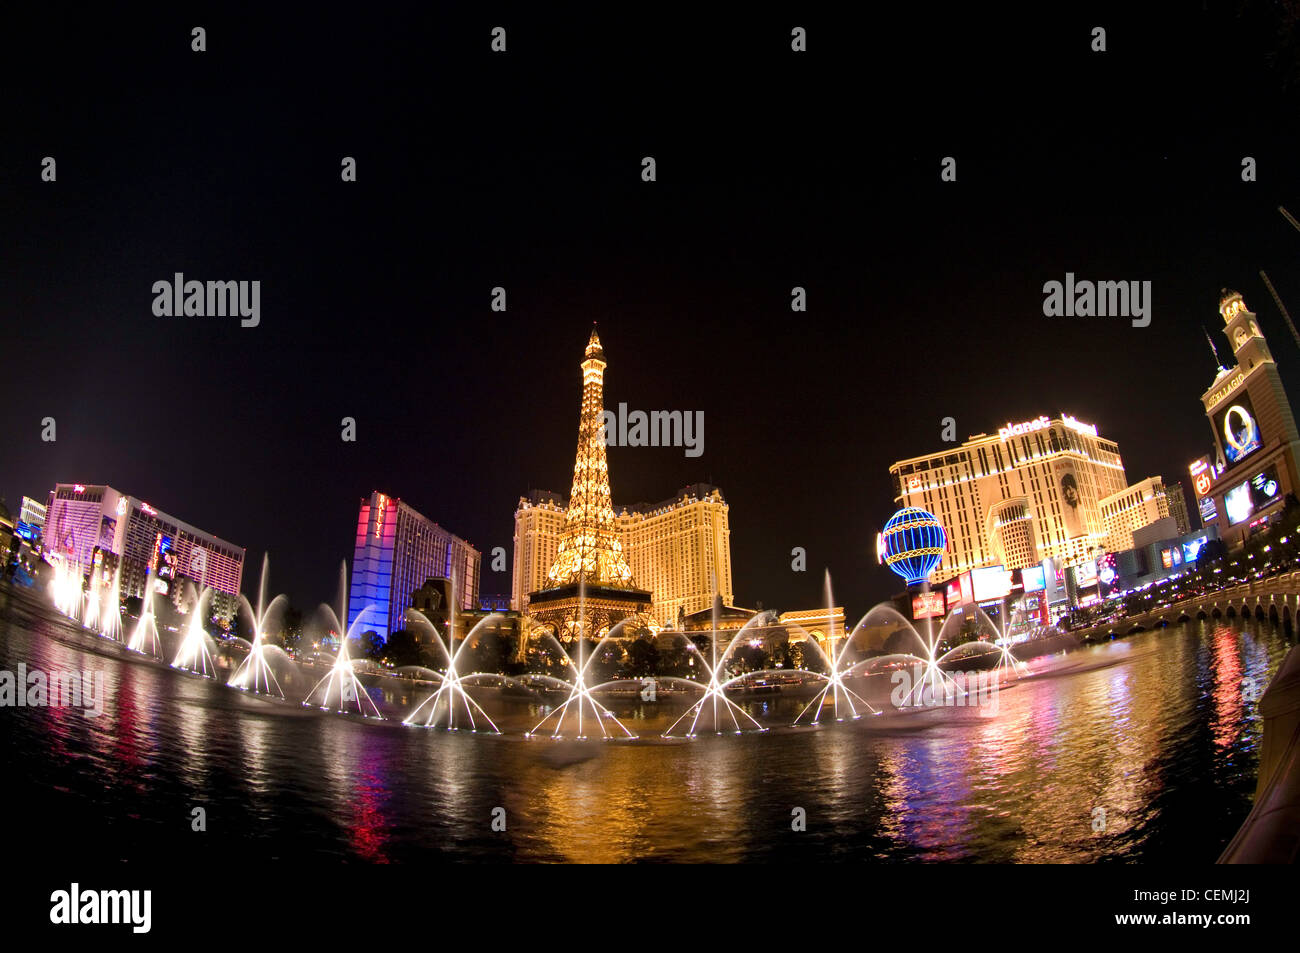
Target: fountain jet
341 691
254 674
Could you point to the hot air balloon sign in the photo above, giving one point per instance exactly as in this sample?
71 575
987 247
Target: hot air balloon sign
912 543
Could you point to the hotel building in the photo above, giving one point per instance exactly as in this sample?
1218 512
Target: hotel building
1141 505
679 549
86 522
1256 445
1029 492
397 551
33 513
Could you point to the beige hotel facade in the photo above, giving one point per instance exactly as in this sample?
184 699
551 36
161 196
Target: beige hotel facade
1029 492
678 549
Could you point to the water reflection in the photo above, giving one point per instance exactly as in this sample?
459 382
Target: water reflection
1153 730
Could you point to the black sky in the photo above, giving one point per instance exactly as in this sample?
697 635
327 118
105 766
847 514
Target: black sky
523 170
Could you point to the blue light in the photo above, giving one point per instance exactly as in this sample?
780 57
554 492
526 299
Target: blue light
912 544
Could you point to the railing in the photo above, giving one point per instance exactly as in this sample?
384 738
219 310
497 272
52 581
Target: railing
1271 833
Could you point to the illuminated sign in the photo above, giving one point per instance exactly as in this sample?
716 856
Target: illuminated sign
1192 549
1202 475
1085 574
1224 391
928 605
1029 426
914 483
379 513
1245 499
1209 511
1033 578
1073 424
954 593
148 509
1239 431
1237 502
121 505
78 488
1043 422
1107 575
1171 558
991 582
967 590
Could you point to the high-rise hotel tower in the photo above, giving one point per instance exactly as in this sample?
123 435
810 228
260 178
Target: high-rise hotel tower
1029 492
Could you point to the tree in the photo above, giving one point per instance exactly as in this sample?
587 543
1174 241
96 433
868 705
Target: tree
402 649
291 629
370 645
643 658
751 658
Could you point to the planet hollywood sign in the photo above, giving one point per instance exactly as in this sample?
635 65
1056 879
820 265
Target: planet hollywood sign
1042 423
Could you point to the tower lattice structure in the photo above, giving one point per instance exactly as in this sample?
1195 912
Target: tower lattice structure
589 549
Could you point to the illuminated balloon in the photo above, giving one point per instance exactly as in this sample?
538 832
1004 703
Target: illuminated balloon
912 543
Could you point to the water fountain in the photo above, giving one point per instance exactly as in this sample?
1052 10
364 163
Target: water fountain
836 693
145 637
452 701
65 588
341 691
581 706
715 699
195 653
254 673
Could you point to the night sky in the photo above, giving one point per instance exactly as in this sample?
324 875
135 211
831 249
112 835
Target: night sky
475 169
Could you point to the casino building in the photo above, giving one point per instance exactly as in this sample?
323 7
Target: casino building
660 562
95 525
1032 491
397 551
679 549
1140 505
1254 464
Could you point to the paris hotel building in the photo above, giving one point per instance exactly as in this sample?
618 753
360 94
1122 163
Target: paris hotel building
678 549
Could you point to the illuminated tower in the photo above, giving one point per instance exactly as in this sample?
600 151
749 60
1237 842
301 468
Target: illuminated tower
589 587
589 547
1257 447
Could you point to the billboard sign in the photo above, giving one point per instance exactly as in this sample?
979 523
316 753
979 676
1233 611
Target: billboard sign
1245 499
1067 491
991 582
928 605
1237 429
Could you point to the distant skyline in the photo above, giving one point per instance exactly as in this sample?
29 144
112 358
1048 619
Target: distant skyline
821 170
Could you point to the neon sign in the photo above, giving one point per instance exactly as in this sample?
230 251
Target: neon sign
1043 422
1028 426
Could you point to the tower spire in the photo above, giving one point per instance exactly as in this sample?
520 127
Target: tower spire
589 549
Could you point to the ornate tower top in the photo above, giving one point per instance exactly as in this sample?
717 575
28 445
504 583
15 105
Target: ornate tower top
1230 304
590 550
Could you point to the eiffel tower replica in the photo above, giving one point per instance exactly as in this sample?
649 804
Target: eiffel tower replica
590 587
